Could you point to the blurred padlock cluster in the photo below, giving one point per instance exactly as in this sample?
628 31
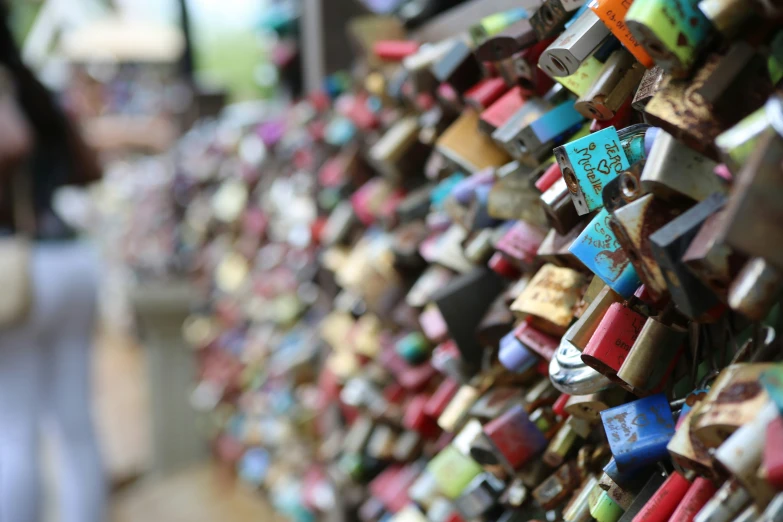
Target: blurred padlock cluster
528 272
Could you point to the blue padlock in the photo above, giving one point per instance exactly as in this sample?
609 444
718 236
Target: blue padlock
588 164
598 249
538 138
639 431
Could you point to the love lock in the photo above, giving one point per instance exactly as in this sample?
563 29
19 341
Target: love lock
571 375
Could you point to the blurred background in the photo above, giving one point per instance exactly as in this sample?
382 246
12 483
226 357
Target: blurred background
194 106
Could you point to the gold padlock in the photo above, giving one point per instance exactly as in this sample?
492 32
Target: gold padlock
550 298
735 398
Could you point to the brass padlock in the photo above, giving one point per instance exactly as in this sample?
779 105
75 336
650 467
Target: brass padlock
467 148
589 407
617 81
734 399
550 298
756 289
652 358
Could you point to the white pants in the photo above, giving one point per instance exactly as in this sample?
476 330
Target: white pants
45 376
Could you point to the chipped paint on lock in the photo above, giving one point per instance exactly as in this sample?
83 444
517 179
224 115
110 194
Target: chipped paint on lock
639 431
600 251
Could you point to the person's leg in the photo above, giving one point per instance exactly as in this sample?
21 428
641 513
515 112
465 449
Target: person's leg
20 385
71 273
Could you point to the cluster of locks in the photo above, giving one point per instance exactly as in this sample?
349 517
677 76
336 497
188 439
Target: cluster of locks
524 273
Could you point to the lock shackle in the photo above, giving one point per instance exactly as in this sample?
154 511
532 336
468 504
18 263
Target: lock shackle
570 374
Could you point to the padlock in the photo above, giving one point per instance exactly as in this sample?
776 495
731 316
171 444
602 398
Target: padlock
561 444
512 39
670 243
647 492
578 509
513 196
733 401
554 248
633 224
545 419
399 153
458 67
536 140
600 251
480 288
558 487
639 431
620 497
674 170
680 110
485 93
342 221
727 16
618 80
612 13
550 298
559 208
665 499
552 15
569 374
515 436
463 145
479 249
588 164
756 289
535 341
652 82
730 499
507 131
479 496
653 357
671 33
589 407
580 82
454 414
710 259
597 304
417 67
452 471
502 110
541 393
569 50
514 355
605 509
741 455
773 456
613 339
494 402
520 243
694 500
751 197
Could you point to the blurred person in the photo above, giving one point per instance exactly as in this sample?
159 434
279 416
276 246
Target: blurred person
46 326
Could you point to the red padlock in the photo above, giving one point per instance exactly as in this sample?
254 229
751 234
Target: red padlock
486 92
550 176
773 453
500 111
394 50
616 333
665 501
542 344
699 493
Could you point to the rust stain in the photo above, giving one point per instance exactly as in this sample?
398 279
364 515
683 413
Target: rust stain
738 392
